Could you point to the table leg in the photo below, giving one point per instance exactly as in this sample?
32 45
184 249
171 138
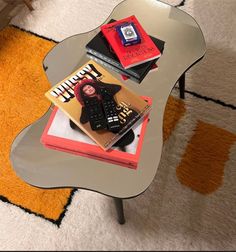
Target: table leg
119 210
182 86
28 4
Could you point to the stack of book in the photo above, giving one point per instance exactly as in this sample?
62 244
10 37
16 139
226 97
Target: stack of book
132 62
95 115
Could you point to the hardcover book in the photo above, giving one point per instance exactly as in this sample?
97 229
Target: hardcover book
129 106
99 47
122 72
153 68
130 56
58 135
112 67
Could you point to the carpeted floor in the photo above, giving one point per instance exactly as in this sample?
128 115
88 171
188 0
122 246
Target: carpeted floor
191 203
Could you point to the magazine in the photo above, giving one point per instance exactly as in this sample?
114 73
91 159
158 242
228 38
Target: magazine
58 135
86 90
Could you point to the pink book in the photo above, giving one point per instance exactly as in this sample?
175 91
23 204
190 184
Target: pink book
58 135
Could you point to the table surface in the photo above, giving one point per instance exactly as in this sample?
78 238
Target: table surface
45 168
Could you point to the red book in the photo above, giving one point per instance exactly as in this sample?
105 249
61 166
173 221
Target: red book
124 77
58 135
130 56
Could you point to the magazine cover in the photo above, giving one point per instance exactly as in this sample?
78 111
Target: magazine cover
58 135
99 104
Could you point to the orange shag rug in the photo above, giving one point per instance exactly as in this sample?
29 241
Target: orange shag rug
23 84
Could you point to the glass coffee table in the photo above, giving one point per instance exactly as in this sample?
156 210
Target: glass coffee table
45 168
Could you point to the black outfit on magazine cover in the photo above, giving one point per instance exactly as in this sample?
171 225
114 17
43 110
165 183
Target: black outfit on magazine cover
94 88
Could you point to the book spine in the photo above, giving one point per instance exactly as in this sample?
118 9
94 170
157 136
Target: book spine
106 64
103 57
112 62
125 163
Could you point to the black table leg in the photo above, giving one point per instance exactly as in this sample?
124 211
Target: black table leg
119 210
182 86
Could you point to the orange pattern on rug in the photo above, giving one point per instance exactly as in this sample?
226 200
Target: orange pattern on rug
174 110
202 165
23 84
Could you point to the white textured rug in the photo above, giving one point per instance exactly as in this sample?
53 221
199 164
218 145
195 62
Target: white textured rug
169 215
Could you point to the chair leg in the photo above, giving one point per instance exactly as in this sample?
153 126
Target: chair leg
182 86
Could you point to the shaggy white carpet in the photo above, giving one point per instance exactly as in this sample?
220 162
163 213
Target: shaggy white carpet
169 215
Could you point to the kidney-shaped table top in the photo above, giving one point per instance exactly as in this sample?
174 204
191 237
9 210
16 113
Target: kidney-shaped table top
45 168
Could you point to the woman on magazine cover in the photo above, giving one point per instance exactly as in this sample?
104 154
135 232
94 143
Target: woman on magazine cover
91 88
